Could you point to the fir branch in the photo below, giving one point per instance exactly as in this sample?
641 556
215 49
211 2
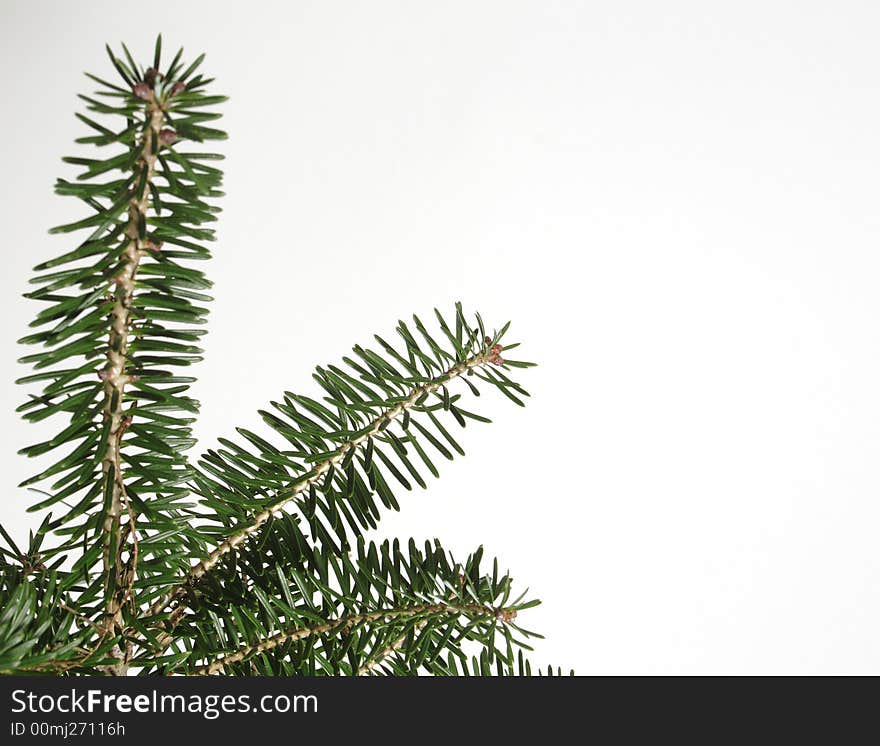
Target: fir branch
425 611
229 612
124 481
418 394
116 377
261 576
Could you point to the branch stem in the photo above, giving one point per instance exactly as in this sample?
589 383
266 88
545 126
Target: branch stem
119 573
343 622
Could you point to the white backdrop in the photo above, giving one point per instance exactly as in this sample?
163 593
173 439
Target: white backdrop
676 203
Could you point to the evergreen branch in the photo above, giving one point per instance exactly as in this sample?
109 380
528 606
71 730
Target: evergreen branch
35 621
127 473
116 377
341 439
269 573
235 609
352 620
285 497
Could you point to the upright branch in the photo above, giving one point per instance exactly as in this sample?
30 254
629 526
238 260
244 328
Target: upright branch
122 307
120 538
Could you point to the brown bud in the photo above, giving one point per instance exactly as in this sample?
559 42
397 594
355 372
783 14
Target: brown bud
178 87
134 378
505 615
150 77
151 245
142 90
103 374
167 136
495 355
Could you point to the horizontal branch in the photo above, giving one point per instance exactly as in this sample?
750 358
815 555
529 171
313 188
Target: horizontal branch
344 622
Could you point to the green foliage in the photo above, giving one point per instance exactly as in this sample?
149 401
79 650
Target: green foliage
167 313
251 559
36 632
423 597
360 396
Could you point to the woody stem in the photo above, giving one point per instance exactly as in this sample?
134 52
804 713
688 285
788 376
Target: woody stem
118 573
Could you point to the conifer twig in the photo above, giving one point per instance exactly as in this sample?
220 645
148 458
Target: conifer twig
343 622
319 470
115 376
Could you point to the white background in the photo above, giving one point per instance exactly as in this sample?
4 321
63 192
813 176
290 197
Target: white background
677 205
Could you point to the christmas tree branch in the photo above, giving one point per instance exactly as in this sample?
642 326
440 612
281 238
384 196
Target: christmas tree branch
137 575
120 574
318 471
343 623
132 313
